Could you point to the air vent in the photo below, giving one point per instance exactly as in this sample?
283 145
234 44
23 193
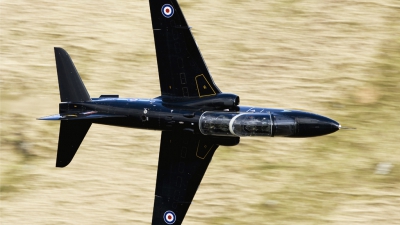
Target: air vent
109 96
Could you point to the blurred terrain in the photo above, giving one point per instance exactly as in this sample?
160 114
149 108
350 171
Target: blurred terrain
336 58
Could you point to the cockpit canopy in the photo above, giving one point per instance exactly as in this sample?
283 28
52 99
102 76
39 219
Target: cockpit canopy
246 124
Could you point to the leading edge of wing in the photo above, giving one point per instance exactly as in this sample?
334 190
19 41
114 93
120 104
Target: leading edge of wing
183 161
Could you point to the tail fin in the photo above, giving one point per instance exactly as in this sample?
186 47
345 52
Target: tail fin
70 83
72 133
181 68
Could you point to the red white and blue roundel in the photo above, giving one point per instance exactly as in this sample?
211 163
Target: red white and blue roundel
167 10
169 217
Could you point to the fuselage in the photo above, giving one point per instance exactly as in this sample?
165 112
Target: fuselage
156 114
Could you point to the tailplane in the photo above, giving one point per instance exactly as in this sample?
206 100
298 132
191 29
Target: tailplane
72 89
70 83
72 133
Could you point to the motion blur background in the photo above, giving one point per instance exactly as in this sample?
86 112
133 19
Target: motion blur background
336 58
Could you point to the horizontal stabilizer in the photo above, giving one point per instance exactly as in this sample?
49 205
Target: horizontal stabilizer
70 83
71 136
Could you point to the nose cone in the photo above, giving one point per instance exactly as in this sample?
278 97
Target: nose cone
311 125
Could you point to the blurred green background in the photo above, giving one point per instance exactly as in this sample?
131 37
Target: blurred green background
336 58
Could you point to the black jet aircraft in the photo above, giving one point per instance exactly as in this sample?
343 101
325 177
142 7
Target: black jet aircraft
192 113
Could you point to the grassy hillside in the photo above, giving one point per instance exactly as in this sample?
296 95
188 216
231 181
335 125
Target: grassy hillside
336 58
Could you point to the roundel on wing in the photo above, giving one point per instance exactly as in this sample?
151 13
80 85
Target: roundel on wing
169 217
167 10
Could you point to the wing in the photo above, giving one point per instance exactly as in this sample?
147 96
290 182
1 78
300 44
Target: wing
183 160
182 70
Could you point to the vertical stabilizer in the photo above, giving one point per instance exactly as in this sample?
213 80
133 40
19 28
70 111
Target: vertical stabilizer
70 83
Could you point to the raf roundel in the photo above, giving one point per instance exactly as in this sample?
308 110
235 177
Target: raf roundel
169 217
167 10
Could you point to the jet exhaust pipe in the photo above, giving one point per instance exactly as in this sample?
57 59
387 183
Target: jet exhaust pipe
283 124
